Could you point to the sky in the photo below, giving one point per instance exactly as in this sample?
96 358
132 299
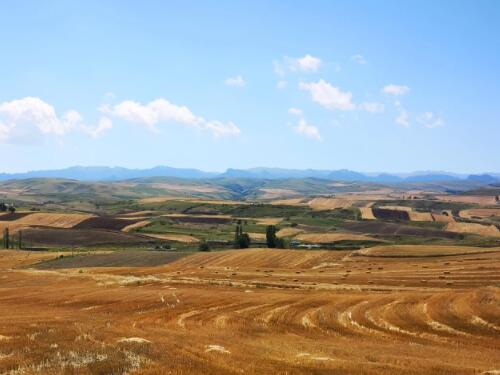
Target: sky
394 86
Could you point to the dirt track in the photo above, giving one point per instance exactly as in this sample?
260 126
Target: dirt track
254 311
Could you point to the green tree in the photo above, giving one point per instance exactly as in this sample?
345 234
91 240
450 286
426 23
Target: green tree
12 209
204 246
244 241
3 207
271 236
241 240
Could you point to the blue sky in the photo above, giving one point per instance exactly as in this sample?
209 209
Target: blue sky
365 85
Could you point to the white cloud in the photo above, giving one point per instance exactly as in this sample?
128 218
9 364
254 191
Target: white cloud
358 59
396 90
372 107
402 119
24 117
309 131
282 84
295 111
103 125
430 120
162 111
307 64
237 81
328 96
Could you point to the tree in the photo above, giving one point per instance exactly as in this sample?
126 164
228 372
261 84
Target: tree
244 241
204 246
241 240
3 207
273 241
271 236
12 209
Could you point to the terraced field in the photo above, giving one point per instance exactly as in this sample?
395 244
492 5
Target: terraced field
256 311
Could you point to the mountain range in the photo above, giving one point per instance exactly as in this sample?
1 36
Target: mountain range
99 173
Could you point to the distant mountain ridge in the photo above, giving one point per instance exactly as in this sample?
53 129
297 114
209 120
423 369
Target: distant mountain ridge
98 173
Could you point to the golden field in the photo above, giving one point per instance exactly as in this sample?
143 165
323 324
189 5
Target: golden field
256 311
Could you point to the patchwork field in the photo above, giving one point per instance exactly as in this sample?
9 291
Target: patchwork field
154 278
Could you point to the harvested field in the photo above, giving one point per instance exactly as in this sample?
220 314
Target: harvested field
257 236
397 208
440 218
475 199
53 220
136 225
77 237
480 229
423 251
420 216
108 223
112 259
288 232
174 237
480 212
332 237
263 258
392 229
290 202
320 204
256 312
367 213
268 220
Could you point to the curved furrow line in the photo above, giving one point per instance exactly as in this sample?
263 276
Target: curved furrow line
275 315
352 317
437 325
378 317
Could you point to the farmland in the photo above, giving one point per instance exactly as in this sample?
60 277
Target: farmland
366 282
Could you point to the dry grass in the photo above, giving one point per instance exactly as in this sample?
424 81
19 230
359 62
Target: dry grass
268 220
480 212
329 203
53 220
257 236
367 213
332 237
480 229
443 218
420 216
288 232
475 199
137 225
174 237
290 202
243 312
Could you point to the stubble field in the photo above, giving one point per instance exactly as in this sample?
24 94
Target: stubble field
254 311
